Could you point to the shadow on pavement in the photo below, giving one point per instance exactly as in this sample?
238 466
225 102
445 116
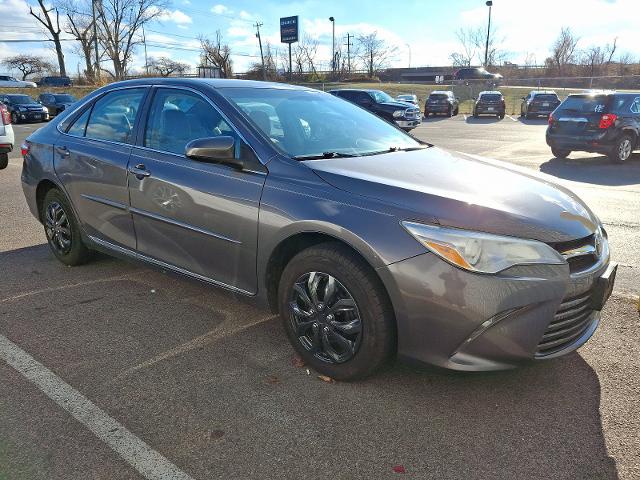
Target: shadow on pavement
534 120
435 118
222 399
595 170
485 119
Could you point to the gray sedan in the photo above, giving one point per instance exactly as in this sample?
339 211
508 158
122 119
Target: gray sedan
369 243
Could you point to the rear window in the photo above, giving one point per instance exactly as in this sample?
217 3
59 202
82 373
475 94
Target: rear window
546 97
491 97
585 103
438 96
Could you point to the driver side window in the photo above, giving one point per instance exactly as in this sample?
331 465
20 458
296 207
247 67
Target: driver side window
177 117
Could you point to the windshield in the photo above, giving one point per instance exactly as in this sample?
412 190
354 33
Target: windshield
381 97
304 123
406 97
584 103
65 98
21 99
438 96
490 97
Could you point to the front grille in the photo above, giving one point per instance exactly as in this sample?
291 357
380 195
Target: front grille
412 113
572 319
580 254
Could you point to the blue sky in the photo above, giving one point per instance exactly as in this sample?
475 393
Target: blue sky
425 28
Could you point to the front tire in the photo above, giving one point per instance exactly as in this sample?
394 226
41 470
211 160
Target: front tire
14 118
622 150
62 230
336 312
4 160
450 112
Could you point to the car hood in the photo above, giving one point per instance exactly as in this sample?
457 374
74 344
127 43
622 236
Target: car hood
462 191
28 105
398 104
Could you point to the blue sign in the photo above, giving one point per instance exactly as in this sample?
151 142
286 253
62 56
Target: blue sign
289 29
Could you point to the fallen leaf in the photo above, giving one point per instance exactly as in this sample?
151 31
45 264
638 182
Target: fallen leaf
273 380
297 361
399 469
324 378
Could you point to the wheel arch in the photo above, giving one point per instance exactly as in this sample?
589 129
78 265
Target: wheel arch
42 188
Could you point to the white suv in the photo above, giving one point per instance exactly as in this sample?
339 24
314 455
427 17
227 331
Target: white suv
6 136
7 81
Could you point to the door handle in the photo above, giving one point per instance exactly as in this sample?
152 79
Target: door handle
140 171
63 151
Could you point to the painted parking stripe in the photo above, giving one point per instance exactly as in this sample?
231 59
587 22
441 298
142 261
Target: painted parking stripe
515 120
149 463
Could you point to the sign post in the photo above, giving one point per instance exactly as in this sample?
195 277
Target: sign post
289 34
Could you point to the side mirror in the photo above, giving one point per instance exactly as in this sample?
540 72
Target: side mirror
214 149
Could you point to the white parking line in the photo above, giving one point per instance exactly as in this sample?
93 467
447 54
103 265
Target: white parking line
515 120
465 117
149 463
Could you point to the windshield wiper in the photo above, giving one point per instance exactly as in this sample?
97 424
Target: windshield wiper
322 155
395 149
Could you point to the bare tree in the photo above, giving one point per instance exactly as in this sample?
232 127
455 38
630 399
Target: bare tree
120 21
53 27
80 25
217 54
468 51
164 66
563 51
374 52
28 64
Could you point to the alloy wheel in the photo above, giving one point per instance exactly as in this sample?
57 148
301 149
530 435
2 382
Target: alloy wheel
624 149
325 317
57 228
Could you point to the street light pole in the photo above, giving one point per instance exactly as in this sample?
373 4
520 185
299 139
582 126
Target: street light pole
489 4
333 44
409 47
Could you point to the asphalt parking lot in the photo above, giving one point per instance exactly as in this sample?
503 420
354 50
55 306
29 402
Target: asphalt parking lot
122 372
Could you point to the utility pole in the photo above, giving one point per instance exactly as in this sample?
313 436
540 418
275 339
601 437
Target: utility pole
488 3
333 44
146 60
95 40
264 72
349 44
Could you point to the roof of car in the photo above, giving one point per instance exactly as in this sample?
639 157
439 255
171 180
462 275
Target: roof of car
549 92
353 90
491 92
445 92
209 82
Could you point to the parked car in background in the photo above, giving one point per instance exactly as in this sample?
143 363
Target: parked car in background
23 108
6 136
441 102
539 103
607 123
403 114
409 98
490 103
11 82
54 82
56 102
476 73
367 241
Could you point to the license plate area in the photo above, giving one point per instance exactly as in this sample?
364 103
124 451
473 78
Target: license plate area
603 287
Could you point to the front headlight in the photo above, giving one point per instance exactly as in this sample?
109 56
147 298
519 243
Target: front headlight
482 252
398 113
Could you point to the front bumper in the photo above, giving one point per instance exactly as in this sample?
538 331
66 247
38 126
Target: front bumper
408 124
475 322
32 116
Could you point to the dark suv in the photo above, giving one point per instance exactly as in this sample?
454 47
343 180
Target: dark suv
54 82
403 114
476 73
23 108
539 103
607 123
56 102
489 103
441 101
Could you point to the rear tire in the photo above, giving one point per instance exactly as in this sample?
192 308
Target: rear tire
369 342
62 229
622 149
4 160
475 114
561 154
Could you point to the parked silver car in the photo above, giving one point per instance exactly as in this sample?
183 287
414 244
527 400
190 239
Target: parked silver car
367 241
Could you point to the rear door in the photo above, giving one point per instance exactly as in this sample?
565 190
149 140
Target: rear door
91 160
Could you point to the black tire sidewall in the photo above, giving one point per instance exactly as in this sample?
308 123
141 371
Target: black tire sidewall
79 253
4 160
378 324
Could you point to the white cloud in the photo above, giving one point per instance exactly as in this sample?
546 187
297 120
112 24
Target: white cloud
176 16
245 15
220 9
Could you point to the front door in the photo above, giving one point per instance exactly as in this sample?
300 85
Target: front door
197 216
91 160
